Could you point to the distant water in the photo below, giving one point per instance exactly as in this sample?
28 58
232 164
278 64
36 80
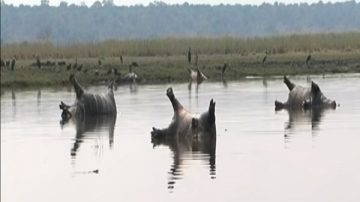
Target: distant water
260 154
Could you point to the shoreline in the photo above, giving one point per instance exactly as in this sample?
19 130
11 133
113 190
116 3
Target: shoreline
172 69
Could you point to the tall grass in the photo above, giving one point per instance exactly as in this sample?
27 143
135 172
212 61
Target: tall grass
178 46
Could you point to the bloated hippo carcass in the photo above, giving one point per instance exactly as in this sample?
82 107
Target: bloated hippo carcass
88 104
305 98
188 134
196 76
185 123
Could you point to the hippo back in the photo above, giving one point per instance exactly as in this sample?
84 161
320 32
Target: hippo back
93 104
297 96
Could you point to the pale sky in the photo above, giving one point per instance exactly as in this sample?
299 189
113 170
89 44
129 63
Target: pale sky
146 2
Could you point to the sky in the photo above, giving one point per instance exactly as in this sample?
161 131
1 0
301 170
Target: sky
146 2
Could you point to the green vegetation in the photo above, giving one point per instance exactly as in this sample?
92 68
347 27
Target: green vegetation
164 60
342 42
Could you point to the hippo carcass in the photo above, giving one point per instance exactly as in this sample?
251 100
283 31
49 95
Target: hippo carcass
304 98
196 76
185 123
88 104
201 148
188 133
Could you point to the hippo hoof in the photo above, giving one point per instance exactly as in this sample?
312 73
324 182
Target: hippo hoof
154 132
278 105
169 92
333 105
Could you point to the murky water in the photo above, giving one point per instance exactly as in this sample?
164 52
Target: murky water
260 154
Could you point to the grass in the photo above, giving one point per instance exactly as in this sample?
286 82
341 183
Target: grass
178 46
164 60
164 69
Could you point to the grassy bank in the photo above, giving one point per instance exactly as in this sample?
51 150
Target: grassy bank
162 69
342 42
165 60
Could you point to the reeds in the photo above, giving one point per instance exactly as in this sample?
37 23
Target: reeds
179 46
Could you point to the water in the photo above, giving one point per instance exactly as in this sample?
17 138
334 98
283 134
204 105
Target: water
260 154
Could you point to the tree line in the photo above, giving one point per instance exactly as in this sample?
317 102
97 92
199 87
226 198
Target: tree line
102 21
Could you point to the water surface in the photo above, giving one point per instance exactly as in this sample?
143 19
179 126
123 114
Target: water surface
260 154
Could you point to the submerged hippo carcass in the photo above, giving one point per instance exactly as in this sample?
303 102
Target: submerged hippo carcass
196 76
304 98
88 104
185 123
185 148
188 134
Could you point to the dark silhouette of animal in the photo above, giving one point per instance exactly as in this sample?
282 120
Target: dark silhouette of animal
308 58
264 58
2 62
38 62
223 69
134 64
304 98
79 67
109 72
61 63
68 68
189 55
116 72
121 59
13 61
49 63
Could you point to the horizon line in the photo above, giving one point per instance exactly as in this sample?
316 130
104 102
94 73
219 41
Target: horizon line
82 4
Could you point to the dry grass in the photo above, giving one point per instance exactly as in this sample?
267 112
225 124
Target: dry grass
342 42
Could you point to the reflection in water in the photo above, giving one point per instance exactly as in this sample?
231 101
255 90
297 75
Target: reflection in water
133 87
13 98
196 92
202 147
264 81
303 117
39 101
224 82
39 97
88 124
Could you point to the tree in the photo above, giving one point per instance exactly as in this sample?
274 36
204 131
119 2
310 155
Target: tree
63 4
44 2
97 4
108 2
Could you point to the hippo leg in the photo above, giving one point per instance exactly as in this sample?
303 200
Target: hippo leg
288 83
175 103
212 111
158 133
78 89
279 105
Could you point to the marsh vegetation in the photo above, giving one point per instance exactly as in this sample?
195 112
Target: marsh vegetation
166 60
